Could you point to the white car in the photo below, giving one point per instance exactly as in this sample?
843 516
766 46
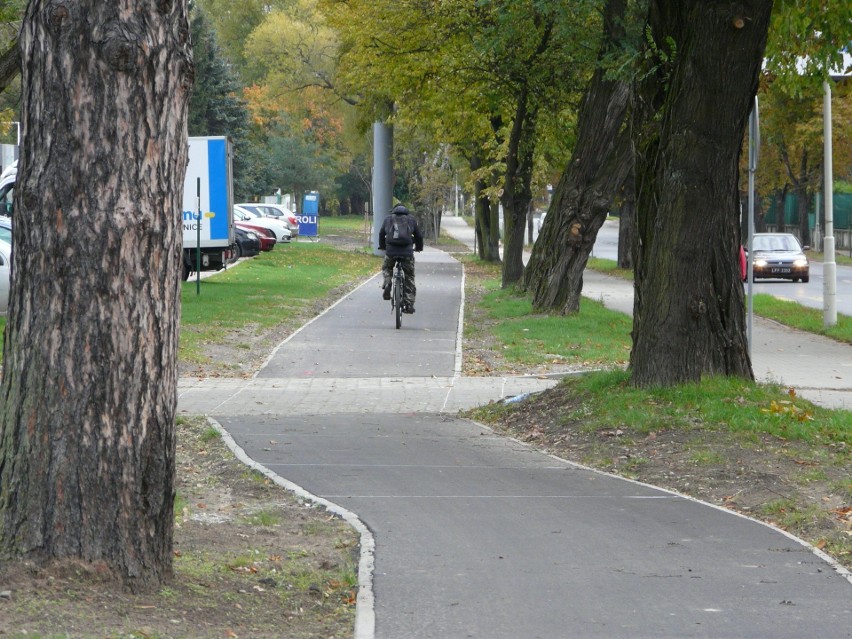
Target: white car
277 211
5 273
281 232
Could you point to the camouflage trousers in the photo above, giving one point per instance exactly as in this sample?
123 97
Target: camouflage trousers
409 291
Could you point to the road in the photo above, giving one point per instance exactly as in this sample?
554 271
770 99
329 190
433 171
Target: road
809 294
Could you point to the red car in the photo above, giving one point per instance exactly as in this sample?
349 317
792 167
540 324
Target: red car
266 237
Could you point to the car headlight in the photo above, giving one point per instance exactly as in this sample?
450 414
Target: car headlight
801 262
760 262
251 236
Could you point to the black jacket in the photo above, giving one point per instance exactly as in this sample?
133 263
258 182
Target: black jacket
400 251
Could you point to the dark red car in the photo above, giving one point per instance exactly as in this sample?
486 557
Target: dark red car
266 237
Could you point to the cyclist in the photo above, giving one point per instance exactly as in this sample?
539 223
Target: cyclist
399 237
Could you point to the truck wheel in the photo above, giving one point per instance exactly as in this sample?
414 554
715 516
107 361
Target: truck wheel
184 271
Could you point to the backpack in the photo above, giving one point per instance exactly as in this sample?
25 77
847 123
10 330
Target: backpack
399 231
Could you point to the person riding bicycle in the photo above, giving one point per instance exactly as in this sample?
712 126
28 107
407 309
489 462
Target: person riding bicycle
399 237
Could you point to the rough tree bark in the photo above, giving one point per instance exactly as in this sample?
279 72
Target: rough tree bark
89 388
689 318
597 169
627 222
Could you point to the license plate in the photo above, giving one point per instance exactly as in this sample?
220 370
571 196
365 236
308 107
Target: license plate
779 269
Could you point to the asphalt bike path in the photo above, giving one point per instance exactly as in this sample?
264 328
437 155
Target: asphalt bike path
469 534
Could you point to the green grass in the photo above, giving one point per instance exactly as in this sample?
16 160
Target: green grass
605 400
594 337
610 267
841 256
350 225
263 292
264 518
801 317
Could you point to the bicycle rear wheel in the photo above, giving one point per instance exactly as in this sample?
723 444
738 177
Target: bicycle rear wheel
397 295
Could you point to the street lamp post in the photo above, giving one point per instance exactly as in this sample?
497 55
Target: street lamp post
829 266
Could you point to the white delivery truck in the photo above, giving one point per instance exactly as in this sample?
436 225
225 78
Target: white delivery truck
208 204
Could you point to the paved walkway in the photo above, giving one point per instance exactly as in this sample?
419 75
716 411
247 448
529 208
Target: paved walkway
469 534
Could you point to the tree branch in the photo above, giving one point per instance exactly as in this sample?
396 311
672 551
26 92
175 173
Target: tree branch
10 65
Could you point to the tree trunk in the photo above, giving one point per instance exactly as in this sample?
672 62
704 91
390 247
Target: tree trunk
89 388
800 189
586 189
627 223
10 65
689 318
517 188
485 220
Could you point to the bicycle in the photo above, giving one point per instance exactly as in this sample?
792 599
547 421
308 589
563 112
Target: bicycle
397 287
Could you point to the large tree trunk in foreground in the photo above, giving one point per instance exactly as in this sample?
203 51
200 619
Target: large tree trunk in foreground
89 382
689 318
582 198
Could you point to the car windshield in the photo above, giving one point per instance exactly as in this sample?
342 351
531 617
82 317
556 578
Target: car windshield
776 243
6 234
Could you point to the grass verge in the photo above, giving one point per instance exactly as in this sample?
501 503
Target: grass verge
801 317
279 288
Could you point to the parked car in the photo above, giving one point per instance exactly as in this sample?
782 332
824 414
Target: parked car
6 229
5 275
264 236
281 232
779 256
246 243
277 211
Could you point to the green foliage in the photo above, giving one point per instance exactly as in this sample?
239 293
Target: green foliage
234 23
805 44
454 69
11 12
215 107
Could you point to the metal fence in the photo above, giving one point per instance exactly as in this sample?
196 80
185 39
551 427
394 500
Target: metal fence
789 221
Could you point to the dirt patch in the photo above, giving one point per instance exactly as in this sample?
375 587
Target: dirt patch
250 561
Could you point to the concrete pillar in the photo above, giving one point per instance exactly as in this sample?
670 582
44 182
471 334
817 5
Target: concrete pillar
382 177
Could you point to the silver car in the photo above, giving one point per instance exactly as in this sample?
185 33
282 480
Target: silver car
276 211
5 274
779 256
